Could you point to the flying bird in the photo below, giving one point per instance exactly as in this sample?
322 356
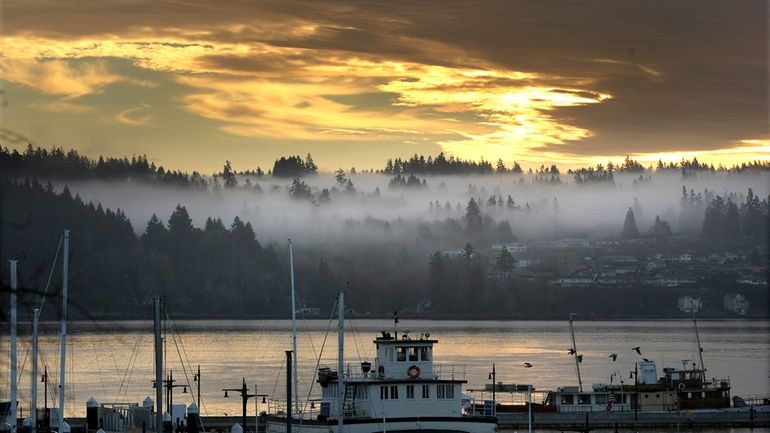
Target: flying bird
638 350
527 365
614 356
571 351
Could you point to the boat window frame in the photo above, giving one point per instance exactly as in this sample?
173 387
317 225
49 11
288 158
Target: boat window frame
425 354
410 392
401 353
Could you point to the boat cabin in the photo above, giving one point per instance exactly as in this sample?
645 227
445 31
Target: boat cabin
402 383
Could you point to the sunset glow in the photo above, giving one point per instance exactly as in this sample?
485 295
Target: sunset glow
270 82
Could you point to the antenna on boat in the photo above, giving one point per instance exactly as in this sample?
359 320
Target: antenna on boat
33 396
63 344
395 325
158 367
575 354
341 361
700 349
294 328
14 383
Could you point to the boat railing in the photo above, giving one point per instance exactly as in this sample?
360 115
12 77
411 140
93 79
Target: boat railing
449 371
440 371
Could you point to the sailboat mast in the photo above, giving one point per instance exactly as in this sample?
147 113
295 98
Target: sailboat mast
294 328
158 367
33 391
700 349
574 347
341 362
63 343
14 382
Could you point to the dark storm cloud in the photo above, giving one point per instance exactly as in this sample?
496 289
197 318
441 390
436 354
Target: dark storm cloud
683 75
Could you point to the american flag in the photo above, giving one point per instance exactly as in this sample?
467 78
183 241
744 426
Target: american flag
610 402
677 404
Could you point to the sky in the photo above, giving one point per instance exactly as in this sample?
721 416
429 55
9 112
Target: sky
192 83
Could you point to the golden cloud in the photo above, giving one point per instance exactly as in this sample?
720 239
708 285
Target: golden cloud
260 90
58 77
133 116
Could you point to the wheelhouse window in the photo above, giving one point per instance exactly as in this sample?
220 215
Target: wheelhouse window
413 354
567 399
424 354
400 353
383 393
426 391
440 391
601 398
584 399
410 392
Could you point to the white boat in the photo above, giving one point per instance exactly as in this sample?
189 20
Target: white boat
400 392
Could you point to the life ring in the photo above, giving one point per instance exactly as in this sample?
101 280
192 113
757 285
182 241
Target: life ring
681 387
413 372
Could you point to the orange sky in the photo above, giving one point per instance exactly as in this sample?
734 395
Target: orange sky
192 83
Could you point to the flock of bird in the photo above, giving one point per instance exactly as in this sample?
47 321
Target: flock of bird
572 352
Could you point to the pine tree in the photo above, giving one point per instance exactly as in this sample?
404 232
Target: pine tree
731 223
660 229
180 223
505 261
299 190
339 175
228 176
501 169
713 218
630 231
473 219
155 234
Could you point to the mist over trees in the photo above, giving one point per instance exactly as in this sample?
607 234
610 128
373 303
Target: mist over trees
434 236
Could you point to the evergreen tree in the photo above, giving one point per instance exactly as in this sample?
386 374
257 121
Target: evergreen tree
473 219
501 169
228 176
179 223
325 196
310 167
505 261
503 232
731 223
155 234
753 219
713 218
660 229
299 190
339 175
630 231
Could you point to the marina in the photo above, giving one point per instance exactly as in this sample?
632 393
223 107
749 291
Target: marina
102 352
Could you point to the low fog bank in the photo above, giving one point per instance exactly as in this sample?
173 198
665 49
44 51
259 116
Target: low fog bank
368 209
421 245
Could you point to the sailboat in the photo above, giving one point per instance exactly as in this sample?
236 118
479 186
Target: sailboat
400 392
11 421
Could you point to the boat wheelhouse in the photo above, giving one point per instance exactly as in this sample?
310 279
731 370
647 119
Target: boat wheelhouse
403 391
687 385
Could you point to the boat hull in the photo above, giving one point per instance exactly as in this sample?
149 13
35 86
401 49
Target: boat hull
396 425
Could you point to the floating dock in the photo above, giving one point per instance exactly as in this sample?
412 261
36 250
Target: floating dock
586 421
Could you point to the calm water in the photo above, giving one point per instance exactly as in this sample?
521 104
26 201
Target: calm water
113 361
